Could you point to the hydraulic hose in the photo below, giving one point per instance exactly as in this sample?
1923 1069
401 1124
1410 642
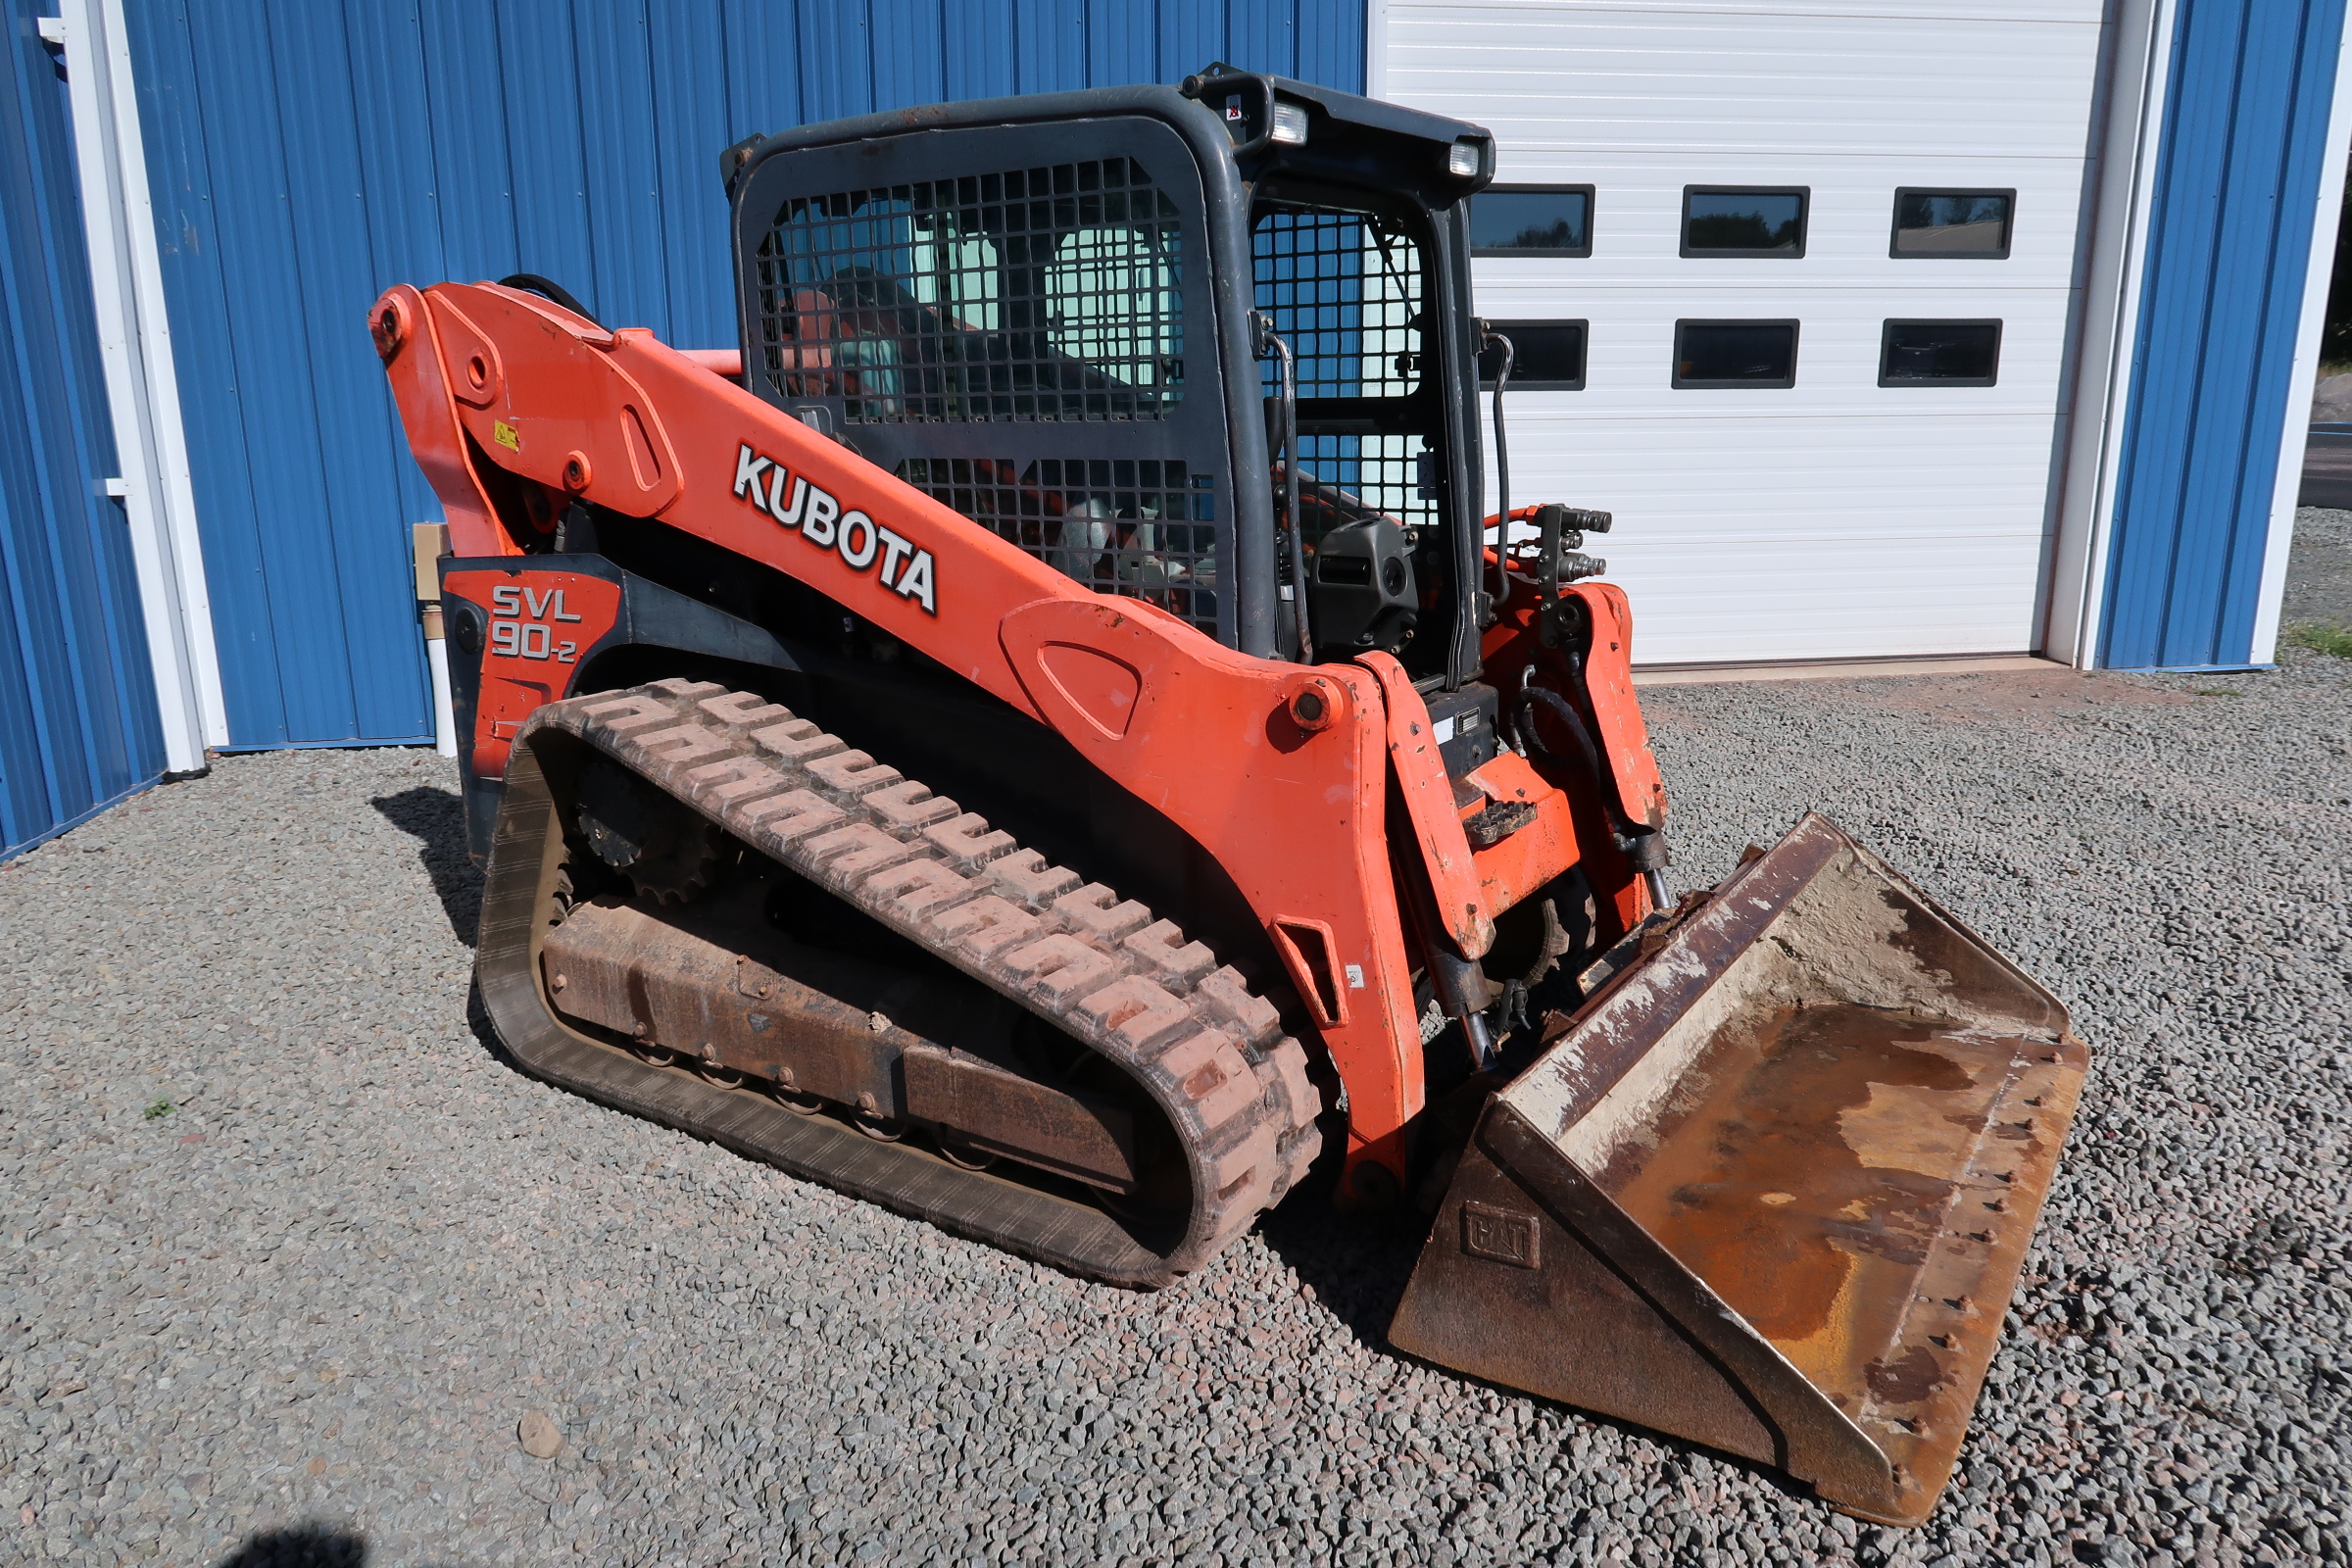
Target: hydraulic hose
549 290
1644 844
1503 474
1565 711
1270 342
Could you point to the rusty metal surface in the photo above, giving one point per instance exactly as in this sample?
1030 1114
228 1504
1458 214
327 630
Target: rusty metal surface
648 976
1812 1130
617 965
1083 1136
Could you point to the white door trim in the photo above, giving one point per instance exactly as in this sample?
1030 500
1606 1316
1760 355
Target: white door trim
2142 40
142 390
2317 272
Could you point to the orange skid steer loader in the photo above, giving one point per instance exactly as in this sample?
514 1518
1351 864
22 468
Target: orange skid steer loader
1045 734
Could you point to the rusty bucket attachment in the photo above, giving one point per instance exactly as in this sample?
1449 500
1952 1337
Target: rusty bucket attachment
1771 1190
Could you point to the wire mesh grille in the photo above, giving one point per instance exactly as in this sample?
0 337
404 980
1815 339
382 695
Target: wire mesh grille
1141 527
1375 473
1052 293
1343 290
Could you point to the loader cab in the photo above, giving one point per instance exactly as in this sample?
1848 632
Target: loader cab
1053 314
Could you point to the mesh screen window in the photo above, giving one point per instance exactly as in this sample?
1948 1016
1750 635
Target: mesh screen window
1144 528
1343 289
1346 478
1052 293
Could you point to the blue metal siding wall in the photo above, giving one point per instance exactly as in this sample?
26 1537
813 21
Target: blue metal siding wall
2245 123
304 156
78 728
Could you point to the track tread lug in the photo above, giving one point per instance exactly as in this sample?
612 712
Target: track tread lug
1025 875
786 819
909 806
967 840
739 711
1231 998
794 741
1139 1011
922 887
849 776
681 743
1062 966
1177 962
1097 910
990 923
851 851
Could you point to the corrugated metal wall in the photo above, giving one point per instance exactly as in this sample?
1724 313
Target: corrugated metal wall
305 155
78 717
2245 123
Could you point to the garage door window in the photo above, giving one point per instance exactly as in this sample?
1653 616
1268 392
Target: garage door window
1952 225
1546 356
1744 221
1939 354
1532 220
1734 353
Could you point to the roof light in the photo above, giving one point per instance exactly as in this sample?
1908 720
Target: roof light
1290 124
1462 159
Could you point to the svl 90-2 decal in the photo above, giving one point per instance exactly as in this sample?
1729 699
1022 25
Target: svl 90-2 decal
536 637
857 538
544 630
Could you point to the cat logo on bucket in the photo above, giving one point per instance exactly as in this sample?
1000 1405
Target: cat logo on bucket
857 538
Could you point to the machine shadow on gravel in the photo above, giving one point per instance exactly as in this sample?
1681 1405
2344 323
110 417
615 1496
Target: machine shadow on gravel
436 818
304 1545
1355 1264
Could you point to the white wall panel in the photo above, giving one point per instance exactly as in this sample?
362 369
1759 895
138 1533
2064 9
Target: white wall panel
1892 10
1589 78
1837 519
1869 537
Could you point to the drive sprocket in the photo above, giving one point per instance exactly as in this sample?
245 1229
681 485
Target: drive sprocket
645 833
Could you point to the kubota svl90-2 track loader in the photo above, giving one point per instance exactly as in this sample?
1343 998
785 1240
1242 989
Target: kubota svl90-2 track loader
1039 738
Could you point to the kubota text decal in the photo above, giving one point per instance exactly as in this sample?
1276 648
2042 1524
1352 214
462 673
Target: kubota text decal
853 535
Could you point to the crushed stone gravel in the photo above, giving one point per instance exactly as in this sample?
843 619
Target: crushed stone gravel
2319 570
304 1315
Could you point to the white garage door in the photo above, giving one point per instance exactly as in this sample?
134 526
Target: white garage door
1832 518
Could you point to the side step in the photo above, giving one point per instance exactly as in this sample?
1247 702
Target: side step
1773 1189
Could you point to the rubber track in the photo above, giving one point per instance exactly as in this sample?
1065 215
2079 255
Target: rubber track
1100 968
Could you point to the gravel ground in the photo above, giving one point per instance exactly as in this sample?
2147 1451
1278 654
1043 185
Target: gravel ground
2319 572
299 1318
